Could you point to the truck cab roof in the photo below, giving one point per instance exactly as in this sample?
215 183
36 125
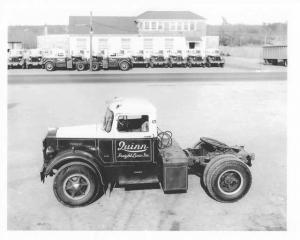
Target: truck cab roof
132 106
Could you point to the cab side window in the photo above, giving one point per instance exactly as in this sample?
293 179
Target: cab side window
133 123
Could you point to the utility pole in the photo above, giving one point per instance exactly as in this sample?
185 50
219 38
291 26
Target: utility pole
91 40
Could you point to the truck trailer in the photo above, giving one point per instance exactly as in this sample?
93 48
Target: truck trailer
275 54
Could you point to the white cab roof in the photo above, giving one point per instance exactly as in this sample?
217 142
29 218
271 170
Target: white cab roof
133 106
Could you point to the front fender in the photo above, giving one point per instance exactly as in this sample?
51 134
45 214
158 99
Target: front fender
69 156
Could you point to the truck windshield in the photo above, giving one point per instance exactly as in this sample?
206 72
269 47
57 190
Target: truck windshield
108 120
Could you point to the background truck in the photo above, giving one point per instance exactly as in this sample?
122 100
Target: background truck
117 61
196 61
138 60
128 149
61 61
158 60
214 58
34 58
275 54
16 59
176 61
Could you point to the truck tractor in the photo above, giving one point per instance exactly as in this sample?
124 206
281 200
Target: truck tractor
117 61
214 58
176 61
61 61
196 61
139 60
34 58
16 59
128 149
158 61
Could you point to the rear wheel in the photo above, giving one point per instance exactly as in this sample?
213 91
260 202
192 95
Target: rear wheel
80 66
228 180
124 66
75 185
49 66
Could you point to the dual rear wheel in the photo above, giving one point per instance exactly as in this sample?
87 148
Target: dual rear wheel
226 178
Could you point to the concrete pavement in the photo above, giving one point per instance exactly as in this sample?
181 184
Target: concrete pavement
251 113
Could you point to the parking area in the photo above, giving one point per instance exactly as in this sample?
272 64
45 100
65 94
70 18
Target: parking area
251 113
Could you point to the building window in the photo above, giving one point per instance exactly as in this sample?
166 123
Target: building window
148 43
179 26
199 26
153 25
160 26
125 43
173 26
169 43
166 25
192 26
186 26
146 24
81 43
102 44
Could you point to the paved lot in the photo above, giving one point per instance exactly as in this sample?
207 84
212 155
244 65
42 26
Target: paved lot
237 112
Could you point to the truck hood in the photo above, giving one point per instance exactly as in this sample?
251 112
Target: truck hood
82 131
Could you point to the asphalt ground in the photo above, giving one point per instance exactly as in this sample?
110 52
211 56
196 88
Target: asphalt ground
250 112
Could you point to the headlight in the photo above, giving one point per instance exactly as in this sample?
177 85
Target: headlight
49 150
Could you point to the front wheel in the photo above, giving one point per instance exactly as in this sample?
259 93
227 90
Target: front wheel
124 66
95 67
228 180
75 185
49 66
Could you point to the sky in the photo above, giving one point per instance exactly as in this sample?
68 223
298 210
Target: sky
39 12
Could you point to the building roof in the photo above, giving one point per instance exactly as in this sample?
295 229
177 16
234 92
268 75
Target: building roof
169 15
132 106
103 25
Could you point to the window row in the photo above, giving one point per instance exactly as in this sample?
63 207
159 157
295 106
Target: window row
82 43
171 26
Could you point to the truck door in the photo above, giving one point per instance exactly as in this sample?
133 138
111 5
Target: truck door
61 62
134 143
113 62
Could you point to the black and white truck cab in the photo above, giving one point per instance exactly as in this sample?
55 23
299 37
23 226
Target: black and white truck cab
128 149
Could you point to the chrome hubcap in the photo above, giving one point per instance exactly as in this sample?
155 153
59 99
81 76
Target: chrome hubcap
76 186
230 182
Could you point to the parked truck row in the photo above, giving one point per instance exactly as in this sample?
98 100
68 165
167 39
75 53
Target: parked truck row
61 60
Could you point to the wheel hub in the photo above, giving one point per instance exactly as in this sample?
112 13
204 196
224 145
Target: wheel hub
76 186
230 182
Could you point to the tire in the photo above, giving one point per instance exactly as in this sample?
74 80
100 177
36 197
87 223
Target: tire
228 180
212 162
80 66
75 196
49 66
95 67
124 66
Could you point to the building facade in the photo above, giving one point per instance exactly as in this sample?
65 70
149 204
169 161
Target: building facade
150 32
